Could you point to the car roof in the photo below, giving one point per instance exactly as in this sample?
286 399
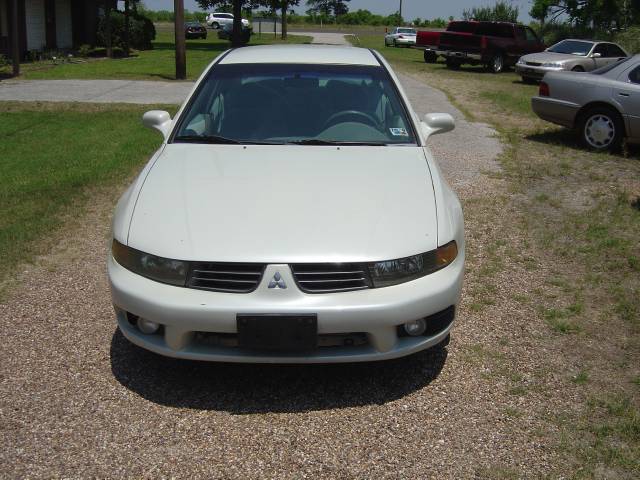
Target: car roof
309 54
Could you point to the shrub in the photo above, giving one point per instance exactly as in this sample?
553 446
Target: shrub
141 31
84 50
629 40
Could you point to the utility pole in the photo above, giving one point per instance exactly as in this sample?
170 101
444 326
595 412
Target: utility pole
127 35
15 46
181 56
400 11
107 27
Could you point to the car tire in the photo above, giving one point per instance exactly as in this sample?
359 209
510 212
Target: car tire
577 68
601 128
453 64
215 25
430 57
496 64
395 45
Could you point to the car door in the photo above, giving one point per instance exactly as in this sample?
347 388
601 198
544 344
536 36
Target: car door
599 55
627 93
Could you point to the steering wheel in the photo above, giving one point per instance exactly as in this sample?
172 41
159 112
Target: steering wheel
332 120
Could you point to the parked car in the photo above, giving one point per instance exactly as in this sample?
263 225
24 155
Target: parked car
225 32
217 20
604 105
494 44
572 55
194 30
429 40
293 214
400 36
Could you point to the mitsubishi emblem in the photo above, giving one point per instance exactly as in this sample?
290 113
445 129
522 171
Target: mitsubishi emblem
277 281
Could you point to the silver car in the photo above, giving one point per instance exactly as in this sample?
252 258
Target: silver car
400 36
603 105
571 55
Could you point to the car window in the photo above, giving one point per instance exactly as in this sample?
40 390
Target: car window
601 48
614 51
462 27
406 30
572 47
283 103
531 35
634 76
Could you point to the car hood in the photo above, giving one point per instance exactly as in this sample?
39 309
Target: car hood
544 57
275 204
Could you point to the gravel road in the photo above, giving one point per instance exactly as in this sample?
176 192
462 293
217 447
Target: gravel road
77 400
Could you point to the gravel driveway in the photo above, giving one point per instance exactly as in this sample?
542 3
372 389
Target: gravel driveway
77 400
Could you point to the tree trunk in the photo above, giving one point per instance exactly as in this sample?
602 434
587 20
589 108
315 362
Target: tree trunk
236 36
107 27
126 28
284 6
181 56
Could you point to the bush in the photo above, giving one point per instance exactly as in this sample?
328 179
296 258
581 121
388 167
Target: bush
629 40
84 50
141 31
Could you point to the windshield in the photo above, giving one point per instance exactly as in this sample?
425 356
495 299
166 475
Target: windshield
572 47
407 30
291 103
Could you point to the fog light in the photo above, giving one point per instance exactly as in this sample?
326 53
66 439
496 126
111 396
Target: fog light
415 328
147 326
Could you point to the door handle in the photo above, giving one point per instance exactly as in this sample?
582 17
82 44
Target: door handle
622 94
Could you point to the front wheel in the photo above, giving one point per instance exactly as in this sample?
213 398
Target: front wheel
496 65
601 128
453 64
215 25
430 57
577 68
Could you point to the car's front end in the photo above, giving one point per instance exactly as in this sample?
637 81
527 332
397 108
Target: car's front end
322 233
535 68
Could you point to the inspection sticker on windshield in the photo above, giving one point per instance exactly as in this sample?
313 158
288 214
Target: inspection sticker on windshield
399 132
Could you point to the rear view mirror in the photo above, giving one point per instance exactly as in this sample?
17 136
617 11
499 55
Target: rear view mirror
435 123
158 120
596 55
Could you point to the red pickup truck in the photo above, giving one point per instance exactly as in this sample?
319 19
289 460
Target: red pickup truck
494 44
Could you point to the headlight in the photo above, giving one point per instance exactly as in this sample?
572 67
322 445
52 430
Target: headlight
160 269
393 272
552 65
521 61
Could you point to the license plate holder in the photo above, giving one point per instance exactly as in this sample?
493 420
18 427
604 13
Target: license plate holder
283 332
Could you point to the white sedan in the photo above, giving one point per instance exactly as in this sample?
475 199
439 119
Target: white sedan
218 20
400 36
292 214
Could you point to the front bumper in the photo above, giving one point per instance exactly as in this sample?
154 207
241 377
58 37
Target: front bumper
532 71
185 313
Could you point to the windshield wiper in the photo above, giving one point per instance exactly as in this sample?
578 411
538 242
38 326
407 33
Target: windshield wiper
213 139
315 141
204 139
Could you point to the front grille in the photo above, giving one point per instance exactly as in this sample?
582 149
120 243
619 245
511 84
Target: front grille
225 277
534 64
330 277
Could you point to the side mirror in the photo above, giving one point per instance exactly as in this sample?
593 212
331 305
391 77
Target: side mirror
435 123
596 55
159 120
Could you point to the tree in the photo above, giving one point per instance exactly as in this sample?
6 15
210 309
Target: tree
284 6
599 14
500 12
328 7
236 5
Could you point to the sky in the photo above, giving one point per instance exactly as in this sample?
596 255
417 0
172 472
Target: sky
425 9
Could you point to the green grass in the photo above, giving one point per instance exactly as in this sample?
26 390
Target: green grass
156 64
51 159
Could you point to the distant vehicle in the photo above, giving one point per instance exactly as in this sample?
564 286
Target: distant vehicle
400 36
572 55
224 33
429 40
496 45
194 30
218 19
603 105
